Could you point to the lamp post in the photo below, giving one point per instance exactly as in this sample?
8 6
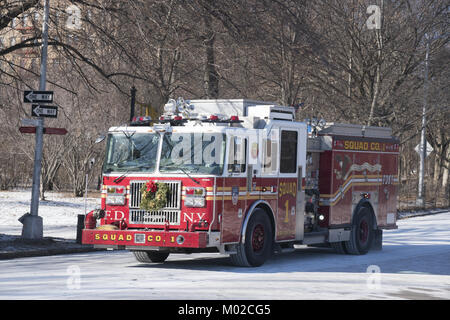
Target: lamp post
423 143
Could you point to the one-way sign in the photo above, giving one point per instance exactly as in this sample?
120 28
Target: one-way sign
44 111
38 96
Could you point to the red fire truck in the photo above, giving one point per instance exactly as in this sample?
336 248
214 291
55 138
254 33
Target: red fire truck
243 178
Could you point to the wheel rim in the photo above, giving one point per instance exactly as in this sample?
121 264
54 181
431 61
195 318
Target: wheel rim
258 238
363 232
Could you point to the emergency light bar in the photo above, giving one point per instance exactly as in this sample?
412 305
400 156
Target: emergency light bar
177 112
216 119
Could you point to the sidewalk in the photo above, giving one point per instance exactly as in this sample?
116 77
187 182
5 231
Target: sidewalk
12 246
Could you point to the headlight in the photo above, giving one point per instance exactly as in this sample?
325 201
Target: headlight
115 195
194 202
115 200
195 197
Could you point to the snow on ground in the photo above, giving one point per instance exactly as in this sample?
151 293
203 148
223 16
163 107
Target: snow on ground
414 264
59 212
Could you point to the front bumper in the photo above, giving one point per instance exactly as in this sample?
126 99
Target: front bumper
145 238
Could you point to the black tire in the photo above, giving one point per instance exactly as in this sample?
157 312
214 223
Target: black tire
257 247
339 247
362 234
151 256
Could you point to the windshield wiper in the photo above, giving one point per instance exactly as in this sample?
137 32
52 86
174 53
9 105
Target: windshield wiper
184 171
120 178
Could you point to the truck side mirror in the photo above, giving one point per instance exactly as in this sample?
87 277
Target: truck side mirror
100 139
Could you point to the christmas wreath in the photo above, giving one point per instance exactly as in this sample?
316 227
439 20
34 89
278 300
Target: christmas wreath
154 196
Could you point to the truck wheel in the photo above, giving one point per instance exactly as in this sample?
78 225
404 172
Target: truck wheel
150 256
339 247
258 242
361 236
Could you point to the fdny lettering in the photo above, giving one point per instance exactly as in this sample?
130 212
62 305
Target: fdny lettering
113 237
129 237
356 145
152 238
191 216
288 188
364 146
375 146
116 214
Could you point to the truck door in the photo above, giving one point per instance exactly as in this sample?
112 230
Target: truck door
268 181
287 184
234 188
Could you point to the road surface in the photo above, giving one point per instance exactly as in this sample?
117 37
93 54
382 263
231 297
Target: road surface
414 264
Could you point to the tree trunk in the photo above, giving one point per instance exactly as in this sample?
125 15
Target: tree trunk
446 165
211 77
437 169
376 89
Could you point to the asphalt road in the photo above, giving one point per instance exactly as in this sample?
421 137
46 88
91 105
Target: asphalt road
414 264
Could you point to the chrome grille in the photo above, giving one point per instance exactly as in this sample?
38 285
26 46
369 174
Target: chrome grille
170 213
154 217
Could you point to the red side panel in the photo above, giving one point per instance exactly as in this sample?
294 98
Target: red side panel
234 204
325 180
388 189
287 200
356 169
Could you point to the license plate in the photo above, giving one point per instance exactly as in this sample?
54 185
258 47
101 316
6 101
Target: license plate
139 238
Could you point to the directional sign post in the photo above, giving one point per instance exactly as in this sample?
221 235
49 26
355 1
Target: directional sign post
38 96
44 111
33 224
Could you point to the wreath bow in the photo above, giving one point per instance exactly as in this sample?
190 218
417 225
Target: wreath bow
154 196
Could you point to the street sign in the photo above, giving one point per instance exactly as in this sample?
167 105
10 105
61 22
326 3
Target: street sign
30 122
38 96
60 131
419 149
27 129
44 111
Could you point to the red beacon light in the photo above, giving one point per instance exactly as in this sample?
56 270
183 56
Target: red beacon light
177 118
234 118
141 120
213 117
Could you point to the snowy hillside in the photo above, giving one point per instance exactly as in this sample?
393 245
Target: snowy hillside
59 212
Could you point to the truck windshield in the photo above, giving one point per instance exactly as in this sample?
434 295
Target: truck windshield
131 151
197 153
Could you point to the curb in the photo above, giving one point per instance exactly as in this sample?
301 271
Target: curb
43 252
12 247
407 215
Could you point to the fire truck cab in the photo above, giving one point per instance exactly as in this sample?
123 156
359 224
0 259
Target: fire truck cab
243 178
